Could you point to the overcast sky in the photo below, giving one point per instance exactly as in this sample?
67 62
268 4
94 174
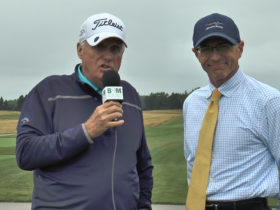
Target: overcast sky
38 39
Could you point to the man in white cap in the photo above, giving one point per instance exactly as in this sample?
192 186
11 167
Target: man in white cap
86 155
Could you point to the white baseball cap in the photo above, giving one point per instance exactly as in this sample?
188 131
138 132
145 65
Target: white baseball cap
102 26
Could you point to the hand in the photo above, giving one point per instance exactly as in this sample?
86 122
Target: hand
103 118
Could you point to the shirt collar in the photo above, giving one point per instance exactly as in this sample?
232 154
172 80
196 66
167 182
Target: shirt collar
229 86
85 80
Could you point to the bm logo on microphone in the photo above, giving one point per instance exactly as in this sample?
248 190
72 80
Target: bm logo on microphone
112 93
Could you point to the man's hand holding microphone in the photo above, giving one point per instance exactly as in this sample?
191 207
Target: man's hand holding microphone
105 115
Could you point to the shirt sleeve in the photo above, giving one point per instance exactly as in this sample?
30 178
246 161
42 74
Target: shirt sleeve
272 127
272 130
37 145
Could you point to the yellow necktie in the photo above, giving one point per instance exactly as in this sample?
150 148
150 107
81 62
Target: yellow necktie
196 198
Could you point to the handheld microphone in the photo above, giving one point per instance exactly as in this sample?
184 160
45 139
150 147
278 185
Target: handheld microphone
112 90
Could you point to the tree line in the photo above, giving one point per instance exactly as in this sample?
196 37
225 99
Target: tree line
12 105
162 100
154 101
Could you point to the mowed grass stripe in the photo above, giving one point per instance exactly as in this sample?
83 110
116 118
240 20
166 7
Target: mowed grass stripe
9 113
4 157
154 118
9 116
7 150
12 136
8 141
7 145
8 126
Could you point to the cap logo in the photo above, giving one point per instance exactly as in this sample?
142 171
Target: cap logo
106 22
96 39
24 120
214 25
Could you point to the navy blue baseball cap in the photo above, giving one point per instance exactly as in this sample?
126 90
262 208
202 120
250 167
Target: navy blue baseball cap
215 25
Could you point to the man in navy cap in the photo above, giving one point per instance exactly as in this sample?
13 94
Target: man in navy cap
246 142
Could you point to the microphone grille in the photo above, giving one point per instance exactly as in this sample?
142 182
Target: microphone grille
111 78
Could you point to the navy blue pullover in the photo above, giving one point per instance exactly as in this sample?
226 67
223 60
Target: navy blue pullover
69 172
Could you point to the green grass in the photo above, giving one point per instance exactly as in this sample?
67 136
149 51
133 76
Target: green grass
9 116
7 145
166 145
15 184
4 157
8 136
8 141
